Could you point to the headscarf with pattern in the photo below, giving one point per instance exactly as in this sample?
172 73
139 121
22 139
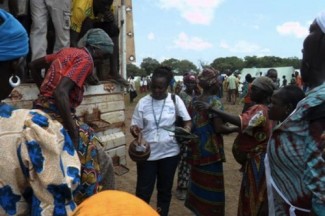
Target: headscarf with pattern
188 77
209 75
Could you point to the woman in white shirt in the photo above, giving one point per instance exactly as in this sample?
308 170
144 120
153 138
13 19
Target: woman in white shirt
152 113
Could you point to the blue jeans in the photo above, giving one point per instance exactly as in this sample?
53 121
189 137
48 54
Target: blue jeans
163 170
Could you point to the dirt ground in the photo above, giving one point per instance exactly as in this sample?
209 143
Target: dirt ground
232 175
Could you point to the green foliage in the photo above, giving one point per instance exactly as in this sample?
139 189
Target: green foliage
149 65
180 66
293 61
134 70
171 63
185 66
228 63
223 64
271 61
251 61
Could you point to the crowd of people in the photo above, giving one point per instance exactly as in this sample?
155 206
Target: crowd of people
280 142
236 89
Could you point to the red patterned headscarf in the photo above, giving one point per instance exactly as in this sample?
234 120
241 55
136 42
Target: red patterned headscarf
189 77
209 75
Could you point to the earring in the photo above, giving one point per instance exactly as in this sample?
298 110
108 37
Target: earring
12 83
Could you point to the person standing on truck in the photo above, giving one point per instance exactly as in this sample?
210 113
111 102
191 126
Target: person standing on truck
41 11
39 166
61 92
88 14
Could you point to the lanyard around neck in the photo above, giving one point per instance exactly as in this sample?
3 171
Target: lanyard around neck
154 115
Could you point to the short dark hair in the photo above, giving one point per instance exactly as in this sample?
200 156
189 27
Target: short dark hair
165 72
293 94
269 71
249 78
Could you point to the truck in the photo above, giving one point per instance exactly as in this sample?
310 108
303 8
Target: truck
103 106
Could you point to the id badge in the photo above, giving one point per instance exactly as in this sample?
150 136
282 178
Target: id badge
156 137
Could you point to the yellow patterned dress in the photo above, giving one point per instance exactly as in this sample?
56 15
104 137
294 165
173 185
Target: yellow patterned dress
39 167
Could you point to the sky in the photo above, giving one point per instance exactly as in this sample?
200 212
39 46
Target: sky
203 30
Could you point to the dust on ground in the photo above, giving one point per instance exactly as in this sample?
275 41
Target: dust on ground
127 182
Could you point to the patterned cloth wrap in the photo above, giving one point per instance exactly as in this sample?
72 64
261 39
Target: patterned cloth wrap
40 169
209 75
91 178
90 169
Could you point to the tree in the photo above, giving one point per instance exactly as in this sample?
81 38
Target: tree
180 66
224 64
173 63
132 69
251 61
149 65
270 61
185 66
228 63
293 61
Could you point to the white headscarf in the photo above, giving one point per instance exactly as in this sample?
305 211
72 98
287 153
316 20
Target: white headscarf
320 19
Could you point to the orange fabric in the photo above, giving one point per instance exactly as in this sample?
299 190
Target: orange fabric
114 203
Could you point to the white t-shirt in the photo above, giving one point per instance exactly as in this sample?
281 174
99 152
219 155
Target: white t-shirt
132 85
142 82
162 143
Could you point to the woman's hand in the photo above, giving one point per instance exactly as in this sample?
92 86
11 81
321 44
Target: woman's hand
135 130
36 67
201 105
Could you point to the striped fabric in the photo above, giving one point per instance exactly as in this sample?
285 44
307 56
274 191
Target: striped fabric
206 195
297 166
